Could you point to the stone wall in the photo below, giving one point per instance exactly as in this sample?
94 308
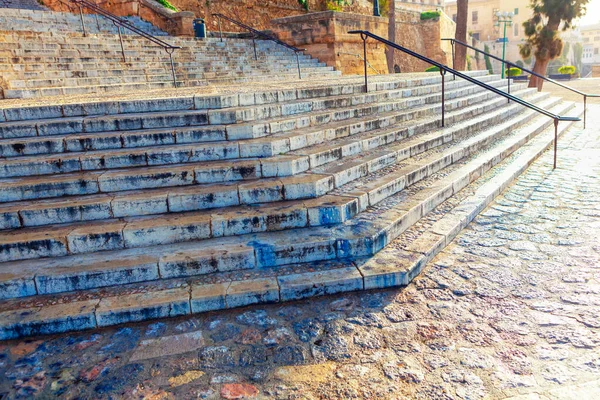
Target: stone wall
325 36
259 13
423 37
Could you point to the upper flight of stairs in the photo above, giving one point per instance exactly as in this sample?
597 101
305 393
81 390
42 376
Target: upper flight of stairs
32 5
45 21
211 201
52 57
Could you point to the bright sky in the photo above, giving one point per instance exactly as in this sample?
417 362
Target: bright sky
593 14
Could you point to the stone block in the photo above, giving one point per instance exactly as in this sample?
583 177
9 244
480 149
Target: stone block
97 273
204 197
47 320
148 231
307 186
190 262
143 306
99 236
228 171
310 284
209 297
253 291
114 181
261 191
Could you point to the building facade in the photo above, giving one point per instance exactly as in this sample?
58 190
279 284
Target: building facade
590 37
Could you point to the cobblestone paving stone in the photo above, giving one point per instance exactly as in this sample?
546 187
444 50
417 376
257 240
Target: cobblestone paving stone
510 309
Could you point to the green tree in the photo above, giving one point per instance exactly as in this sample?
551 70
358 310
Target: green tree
488 62
578 55
542 32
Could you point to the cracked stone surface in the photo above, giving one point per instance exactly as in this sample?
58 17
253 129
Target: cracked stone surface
510 309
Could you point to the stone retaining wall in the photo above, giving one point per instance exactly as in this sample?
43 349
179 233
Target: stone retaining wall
423 37
325 36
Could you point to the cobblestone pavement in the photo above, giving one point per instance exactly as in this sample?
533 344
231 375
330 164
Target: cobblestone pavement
511 309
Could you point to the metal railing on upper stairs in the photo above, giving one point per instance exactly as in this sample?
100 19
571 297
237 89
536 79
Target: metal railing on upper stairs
444 69
511 64
263 35
122 23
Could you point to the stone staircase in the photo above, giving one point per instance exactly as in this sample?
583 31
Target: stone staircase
54 58
22 5
29 19
115 212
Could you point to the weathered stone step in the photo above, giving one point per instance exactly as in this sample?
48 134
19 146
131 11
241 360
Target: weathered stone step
263 111
298 161
42 315
174 199
300 186
298 91
258 148
124 87
133 78
358 235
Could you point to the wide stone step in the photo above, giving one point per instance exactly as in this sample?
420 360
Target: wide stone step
132 78
295 90
267 107
147 231
300 186
124 87
264 147
42 314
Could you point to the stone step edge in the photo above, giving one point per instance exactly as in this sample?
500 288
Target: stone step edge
372 274
19 286
219 101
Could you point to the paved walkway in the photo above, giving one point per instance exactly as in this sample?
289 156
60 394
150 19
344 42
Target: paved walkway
511 308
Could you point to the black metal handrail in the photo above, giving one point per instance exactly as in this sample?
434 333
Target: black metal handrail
444 69
122 23
511 64
263 35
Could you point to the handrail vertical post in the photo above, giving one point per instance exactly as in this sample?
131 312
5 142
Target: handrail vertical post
584 109
555 140
254 44
121 41
298 63
220 30
508 77
170 53
364 39
82 21
443 73
453 57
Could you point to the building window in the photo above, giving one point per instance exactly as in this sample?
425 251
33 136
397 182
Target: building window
475 17
454 17
516 29
596 38
475 36
516 11
596 50
585 40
